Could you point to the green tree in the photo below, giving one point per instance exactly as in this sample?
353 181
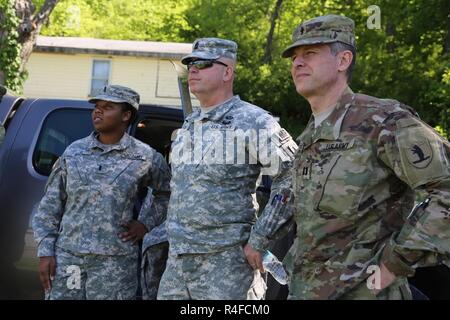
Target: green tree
10 47
406 59
21 23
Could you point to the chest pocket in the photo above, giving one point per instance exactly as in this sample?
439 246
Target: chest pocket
129 172
343 178
87 170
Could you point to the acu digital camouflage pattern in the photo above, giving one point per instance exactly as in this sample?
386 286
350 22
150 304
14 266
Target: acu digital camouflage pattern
158 234
213 206
211 48
324 29
92 190
155 249
153 264
353 180
224 275
118 94
100 277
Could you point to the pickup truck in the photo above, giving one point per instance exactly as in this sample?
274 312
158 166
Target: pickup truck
37 133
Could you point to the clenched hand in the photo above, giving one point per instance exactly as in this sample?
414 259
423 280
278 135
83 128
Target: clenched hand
135 231
254 257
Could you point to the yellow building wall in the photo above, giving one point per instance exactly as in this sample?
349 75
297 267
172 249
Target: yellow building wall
54 75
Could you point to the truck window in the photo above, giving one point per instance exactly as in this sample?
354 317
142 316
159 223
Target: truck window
157 133
61 128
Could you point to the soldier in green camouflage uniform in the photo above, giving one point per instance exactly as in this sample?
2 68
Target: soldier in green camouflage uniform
360 159
213 201
84 223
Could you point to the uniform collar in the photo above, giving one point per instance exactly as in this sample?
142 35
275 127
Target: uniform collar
330 128
123 143
217 113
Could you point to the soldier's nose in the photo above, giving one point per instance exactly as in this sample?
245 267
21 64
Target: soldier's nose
298 62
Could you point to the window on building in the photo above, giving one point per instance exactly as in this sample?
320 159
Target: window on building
100 75
61 128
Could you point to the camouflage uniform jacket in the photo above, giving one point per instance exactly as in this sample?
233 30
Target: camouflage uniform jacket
213 205
158 234
92 189
354 178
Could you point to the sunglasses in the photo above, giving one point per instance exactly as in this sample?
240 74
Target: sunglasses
204 64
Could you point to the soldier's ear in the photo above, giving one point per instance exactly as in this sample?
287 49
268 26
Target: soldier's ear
126 116
228 73
345 59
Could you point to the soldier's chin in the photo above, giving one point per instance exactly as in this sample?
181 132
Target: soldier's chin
98 127
301 90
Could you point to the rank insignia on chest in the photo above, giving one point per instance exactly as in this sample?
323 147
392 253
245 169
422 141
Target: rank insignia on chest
305 171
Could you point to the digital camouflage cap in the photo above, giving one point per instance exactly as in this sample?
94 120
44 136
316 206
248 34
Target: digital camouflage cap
211 49
118 94
324 29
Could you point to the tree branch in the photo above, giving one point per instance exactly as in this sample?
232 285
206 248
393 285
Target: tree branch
273 21
45 12
31 24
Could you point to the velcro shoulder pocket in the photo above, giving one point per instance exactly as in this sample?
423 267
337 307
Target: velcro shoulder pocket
422 154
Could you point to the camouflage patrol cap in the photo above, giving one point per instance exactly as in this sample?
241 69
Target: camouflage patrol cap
118 94
324 29
211 48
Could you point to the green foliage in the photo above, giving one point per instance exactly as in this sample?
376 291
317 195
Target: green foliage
10 47
404 60
156 20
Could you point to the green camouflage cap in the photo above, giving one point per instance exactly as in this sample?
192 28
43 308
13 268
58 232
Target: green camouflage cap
324 29
118 94
211 48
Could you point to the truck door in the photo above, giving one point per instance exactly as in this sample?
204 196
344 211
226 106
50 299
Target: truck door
37 135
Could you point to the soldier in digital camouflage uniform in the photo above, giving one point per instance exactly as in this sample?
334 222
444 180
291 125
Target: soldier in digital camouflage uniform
155 247
360 159
213 202
84 223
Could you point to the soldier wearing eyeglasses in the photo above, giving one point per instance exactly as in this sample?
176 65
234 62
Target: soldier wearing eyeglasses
217 157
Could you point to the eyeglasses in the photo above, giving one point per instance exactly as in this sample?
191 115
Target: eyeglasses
204 64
